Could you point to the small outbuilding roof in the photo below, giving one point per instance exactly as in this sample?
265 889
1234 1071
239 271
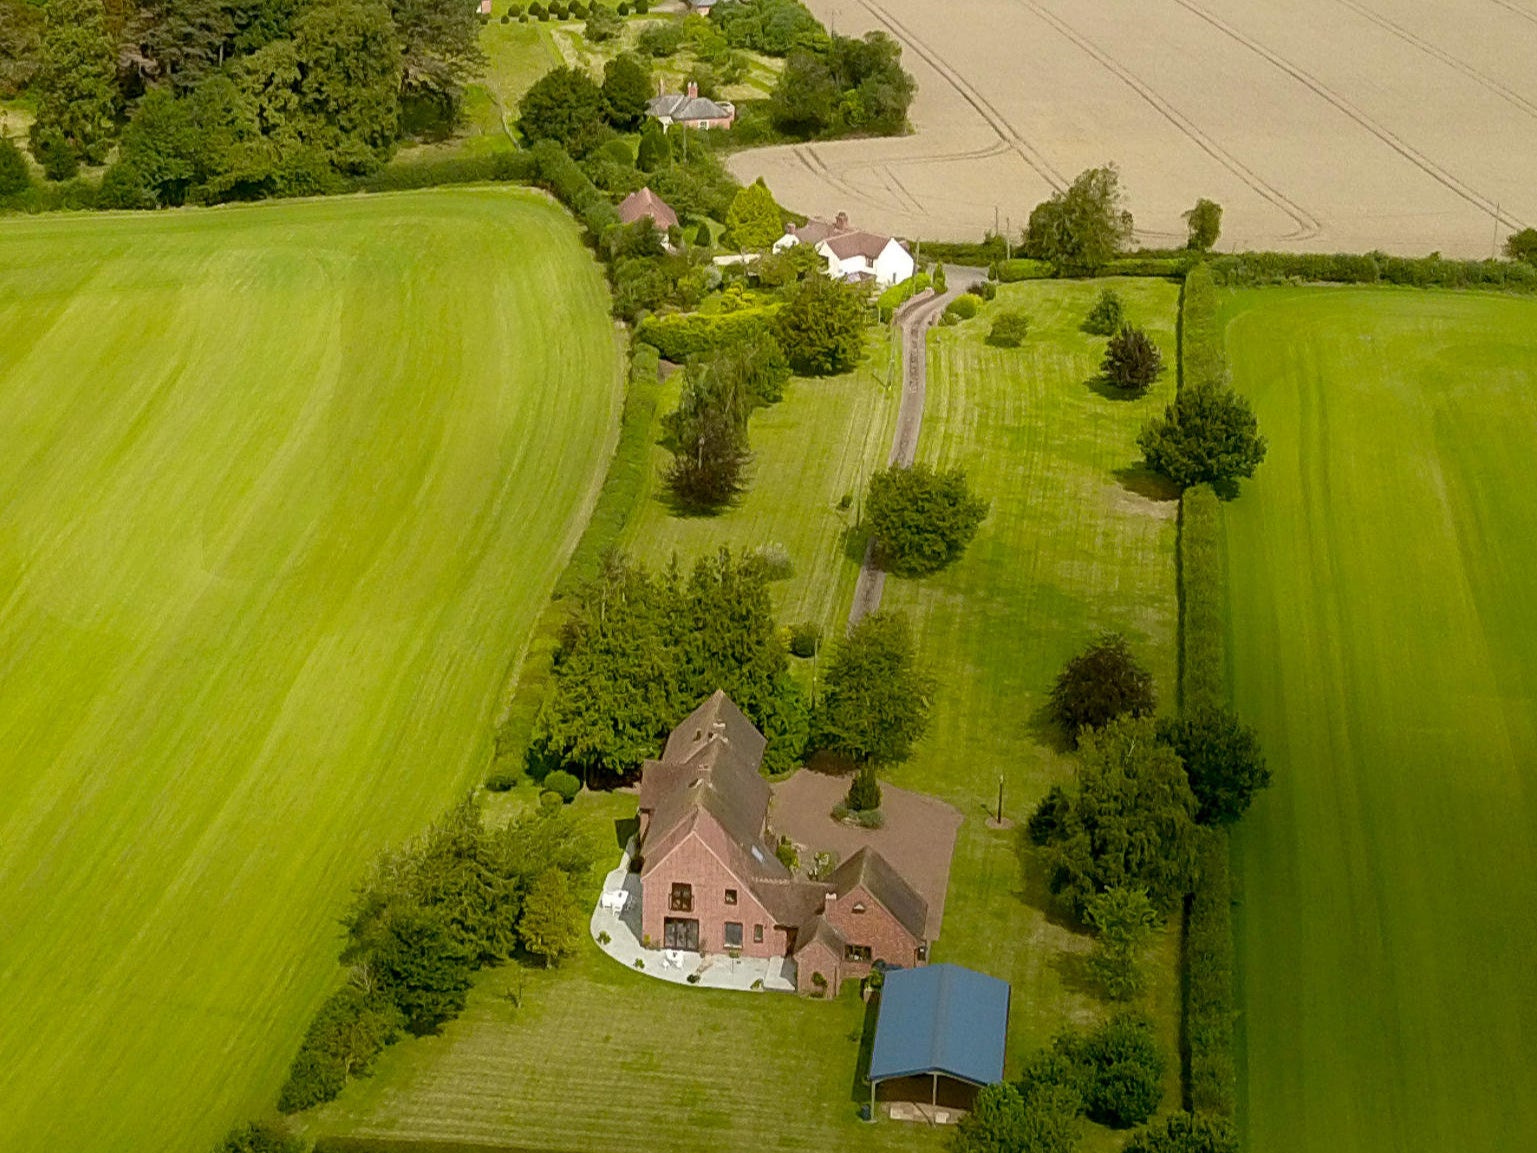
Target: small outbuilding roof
647 203
941 1019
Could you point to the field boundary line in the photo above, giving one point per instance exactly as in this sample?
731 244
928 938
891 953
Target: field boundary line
1308 225
1386 135
1431 49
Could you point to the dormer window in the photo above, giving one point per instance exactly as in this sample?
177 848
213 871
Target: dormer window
859 907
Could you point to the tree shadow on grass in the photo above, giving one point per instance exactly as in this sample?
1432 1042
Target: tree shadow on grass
1045 730
1100 385
1072 969
1033 889
1144 482
859 1089
856 538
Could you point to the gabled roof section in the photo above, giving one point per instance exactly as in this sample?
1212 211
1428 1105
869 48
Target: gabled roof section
869 869
647 203
941 1019
708 782
677 106
817 930
845 245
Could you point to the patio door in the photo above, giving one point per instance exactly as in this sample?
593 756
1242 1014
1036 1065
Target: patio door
681 933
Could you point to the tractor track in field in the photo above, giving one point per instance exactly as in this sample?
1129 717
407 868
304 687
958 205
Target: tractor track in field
1384 134
1307 225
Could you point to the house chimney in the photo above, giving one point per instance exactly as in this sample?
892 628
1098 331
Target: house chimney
693 90
661 86
841 221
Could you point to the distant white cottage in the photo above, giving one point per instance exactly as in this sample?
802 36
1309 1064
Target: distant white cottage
851 253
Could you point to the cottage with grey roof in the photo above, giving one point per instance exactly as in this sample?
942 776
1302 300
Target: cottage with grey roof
691 109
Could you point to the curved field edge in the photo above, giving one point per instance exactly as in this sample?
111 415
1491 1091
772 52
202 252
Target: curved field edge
286 487
1381 636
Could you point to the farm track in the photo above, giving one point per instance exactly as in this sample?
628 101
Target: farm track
1308 225
1386 135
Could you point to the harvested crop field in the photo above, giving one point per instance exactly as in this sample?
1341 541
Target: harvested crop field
1319 125
1384 642
285 487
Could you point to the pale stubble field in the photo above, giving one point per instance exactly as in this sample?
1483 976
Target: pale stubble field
1319 125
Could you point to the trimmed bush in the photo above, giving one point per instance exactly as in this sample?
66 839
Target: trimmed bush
1009 330
498 166
14 176
963 307
1100 684
864 792
500 782
679 336
1132 361
921 518
550 800
564 783
899 294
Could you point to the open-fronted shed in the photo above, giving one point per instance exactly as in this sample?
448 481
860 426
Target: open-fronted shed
940 1021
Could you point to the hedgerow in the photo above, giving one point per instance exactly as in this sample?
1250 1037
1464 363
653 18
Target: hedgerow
678 336
1255 268
1202 360
1209 1012
503 166
899 294
1020 268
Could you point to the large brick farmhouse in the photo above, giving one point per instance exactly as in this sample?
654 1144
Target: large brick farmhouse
711 882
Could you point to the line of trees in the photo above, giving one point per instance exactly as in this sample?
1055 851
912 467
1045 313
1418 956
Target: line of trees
461 896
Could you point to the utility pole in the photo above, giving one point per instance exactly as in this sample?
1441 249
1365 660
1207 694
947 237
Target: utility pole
1000 798
1494 245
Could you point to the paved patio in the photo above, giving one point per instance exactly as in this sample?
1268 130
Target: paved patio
918 838
716 970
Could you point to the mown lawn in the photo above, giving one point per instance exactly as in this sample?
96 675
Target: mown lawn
284 488
813 448
1071 547
602 1058
1384 640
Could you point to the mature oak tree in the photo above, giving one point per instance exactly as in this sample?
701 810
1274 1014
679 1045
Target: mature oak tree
1082 228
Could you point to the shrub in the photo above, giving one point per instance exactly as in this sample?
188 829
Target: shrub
1123 920
1208 1006
500 782
639 964
702 237
350 1029
1009 330
580 11
1132 361
662 39
1185 1133
940 284
923 519
985 289
564 783
875 699
624 8
963 307
820 982
14 176
604 938
56 155
258 1137
805 639
549 800
864 791
774 560
788 856
1121 1070
868 818
1101 683
515 10
822 866
1107 315
602 24
1049 817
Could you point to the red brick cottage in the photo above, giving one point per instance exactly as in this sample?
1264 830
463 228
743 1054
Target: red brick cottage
711 882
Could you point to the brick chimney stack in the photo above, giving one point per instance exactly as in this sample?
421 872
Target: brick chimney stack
693 90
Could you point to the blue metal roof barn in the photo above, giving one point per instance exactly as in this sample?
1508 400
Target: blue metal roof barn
940 1021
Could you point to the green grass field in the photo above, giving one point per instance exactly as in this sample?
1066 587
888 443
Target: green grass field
1071 547
1384 640
284 488
817 445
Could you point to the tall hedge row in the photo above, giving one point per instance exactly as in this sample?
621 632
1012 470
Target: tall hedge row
1208 1009
1209 1012
680 335
555 171
498 166
1254 268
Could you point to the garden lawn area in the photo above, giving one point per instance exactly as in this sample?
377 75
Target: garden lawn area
600 1058
818 444
285 487
1070 548
1384 641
